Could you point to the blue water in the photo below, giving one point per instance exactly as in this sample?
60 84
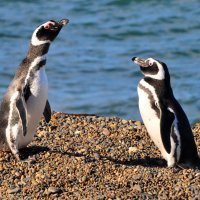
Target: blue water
89 65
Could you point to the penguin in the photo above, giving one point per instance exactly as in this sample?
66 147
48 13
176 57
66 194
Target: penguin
163 117
26 98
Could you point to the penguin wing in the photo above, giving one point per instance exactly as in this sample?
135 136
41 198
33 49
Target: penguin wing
21 107
166 127
47 112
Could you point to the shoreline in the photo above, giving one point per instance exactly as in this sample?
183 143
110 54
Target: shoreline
94 157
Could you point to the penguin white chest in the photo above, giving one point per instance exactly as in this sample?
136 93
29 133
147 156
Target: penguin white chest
35 104
149 116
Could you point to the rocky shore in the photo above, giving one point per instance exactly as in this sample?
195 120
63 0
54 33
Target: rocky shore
91 157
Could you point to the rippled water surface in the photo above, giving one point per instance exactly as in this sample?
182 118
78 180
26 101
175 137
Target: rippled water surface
89 65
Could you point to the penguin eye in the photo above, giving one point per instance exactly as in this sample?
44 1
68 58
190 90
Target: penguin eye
150 63
47 26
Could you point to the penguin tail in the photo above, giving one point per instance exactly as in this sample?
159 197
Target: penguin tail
198 162
195 164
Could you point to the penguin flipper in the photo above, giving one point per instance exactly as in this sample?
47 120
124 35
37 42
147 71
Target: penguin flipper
47 112
166 126
21 107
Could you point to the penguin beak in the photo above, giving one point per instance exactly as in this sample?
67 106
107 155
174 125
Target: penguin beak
63 22
140 61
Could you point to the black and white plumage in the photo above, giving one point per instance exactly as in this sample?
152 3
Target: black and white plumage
26 99
164 118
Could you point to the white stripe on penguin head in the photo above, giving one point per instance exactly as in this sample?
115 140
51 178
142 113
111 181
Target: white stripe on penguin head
34 40
161 73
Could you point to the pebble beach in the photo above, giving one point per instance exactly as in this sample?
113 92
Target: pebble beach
93 157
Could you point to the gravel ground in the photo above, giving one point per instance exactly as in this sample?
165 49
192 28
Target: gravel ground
90 157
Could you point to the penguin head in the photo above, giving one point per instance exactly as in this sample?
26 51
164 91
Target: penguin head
47 32
152 68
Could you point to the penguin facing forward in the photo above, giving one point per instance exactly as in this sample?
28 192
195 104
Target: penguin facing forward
26 98
163 117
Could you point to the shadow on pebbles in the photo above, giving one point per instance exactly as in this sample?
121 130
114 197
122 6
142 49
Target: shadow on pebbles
91 157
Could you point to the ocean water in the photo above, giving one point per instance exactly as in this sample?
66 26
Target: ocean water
89 65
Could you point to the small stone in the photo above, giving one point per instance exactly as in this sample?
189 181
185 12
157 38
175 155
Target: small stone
159 174
1 167
106 132
27 179
41 133
138 124
53 190
102 125
124 121
101 119
84 178
137 188
81 151
13 190
77 132
197 174
96 156
131 127
34 182
132 150
89 118
140 146
107 119
163 196
177 188
113 126
136 177
17 174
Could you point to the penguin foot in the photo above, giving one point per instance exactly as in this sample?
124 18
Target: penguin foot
176 169
30 160
181 166
18 156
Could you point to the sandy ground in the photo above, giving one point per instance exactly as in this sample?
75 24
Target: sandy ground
90 157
